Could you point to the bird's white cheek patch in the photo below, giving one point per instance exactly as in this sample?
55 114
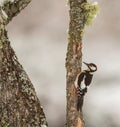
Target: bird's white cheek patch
93 68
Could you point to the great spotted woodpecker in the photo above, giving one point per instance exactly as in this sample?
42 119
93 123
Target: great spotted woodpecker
83 81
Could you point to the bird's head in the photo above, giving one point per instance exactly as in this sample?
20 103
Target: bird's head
91 66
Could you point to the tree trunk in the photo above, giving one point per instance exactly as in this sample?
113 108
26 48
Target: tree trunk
82 13
19 105
73 62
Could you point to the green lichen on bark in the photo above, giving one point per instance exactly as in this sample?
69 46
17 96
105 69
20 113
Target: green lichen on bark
90 11
19 105
81 14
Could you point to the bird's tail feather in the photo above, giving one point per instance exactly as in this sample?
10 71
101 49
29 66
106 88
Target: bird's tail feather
79 103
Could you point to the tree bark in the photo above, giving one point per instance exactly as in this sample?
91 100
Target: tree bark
73 62
19 104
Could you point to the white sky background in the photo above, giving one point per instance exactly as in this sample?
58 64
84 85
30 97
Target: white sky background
39 37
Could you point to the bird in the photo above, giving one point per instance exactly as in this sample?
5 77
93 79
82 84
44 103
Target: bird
84 80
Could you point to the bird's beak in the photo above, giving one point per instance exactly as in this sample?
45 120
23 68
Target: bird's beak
86 63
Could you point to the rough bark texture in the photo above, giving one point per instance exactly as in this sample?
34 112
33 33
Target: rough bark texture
19 105
73 61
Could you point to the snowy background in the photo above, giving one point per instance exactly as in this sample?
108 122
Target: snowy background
39 36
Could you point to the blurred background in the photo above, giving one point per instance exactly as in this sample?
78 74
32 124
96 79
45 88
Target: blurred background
39 37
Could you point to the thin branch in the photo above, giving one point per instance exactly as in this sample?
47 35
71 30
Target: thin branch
13 7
